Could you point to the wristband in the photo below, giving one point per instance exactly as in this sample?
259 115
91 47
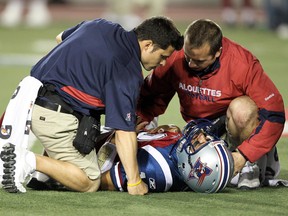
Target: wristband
135 184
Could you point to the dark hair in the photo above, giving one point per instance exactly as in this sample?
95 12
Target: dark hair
204 31
162 31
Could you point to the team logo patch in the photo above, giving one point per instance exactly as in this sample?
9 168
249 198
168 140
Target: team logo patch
199 171
128 117
152 183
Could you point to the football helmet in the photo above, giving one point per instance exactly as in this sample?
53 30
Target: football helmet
206 166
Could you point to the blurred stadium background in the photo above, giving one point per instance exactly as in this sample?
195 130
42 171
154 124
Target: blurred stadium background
179 10
21 44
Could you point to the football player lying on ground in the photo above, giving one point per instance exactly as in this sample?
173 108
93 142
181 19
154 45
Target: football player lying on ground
171 161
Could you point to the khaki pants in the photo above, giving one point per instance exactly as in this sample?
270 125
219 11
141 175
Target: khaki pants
56 131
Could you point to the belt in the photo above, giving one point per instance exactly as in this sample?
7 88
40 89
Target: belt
52 106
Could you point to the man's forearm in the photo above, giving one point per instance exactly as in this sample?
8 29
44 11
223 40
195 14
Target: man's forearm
126 144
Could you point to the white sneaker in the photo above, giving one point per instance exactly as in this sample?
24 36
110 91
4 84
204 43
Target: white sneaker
18 165
106 156
249 177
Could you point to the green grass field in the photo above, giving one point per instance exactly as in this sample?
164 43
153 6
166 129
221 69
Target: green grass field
27 45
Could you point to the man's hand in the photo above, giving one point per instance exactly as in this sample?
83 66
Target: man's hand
239 162
139 189
141 126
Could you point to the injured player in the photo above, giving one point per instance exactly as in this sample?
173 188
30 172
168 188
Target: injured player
169 160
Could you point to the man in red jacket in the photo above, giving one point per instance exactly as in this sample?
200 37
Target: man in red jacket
213 77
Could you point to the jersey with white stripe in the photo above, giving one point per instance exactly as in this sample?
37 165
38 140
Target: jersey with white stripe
157 163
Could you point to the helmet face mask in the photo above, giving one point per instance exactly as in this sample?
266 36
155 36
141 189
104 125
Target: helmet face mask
206 166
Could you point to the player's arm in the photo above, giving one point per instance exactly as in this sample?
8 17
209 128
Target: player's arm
126 144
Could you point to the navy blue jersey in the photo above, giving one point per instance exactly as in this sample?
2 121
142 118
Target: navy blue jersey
157 163
96 67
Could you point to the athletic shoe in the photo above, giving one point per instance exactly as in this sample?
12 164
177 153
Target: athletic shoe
35 184
249 177
106 156
41 181
49 184
18 165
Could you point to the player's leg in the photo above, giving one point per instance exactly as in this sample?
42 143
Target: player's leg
106 182
154 171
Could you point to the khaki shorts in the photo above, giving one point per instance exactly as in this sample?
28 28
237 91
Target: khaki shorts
56 131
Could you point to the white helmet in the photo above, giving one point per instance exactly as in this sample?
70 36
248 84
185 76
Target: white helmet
209 168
